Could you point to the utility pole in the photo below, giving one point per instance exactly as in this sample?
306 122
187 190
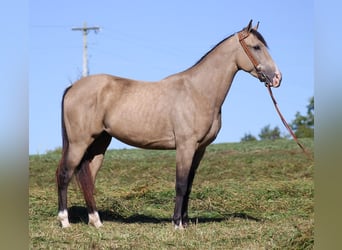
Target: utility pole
85 30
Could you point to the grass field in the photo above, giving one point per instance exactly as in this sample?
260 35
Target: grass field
252 195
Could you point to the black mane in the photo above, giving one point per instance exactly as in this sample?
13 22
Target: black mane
212 49
253 31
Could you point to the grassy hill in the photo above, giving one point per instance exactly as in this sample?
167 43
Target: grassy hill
251 195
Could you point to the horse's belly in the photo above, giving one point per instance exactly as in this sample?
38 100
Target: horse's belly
143 135
142 141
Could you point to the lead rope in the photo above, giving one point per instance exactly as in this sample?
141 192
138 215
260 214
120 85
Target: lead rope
287 125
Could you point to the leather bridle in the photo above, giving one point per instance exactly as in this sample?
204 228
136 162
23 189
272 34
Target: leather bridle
242 35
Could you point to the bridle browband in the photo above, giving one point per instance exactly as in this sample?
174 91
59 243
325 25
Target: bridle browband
242 35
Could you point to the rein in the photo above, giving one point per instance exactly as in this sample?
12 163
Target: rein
268 83
286 124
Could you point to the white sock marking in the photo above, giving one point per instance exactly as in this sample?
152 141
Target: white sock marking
94 219
63 218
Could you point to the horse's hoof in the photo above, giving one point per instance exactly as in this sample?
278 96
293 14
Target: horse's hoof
94 219
63 218
178 227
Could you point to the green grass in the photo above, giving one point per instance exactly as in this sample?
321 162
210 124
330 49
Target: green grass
252 195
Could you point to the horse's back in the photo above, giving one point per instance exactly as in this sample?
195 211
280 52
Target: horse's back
93 90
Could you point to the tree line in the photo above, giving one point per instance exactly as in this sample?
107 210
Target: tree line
302 126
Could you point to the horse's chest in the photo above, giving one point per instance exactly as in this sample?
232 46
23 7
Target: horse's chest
213 130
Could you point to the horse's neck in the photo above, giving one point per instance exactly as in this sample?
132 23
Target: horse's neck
214 74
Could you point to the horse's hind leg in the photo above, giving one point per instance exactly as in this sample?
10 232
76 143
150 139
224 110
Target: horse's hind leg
71 158
86 175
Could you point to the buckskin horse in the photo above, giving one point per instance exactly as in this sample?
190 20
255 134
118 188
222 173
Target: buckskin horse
181 112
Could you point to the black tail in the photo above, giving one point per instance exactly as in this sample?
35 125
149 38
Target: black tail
64 133
62 178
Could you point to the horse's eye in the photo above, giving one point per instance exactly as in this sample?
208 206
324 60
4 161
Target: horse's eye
256 47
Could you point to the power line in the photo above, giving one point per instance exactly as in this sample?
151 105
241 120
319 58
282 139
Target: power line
85 30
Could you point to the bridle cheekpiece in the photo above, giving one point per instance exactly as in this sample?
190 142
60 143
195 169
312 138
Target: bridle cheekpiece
242 35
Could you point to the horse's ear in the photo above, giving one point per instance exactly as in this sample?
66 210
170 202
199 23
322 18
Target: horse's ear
256 26
249 27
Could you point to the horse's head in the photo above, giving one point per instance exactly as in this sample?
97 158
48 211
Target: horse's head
254 57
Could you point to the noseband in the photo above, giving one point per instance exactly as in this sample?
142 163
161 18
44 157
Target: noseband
262 76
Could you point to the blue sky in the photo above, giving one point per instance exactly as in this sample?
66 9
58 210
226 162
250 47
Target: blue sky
149 40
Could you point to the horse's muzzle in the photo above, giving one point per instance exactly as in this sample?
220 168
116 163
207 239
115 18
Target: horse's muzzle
273 81
276 80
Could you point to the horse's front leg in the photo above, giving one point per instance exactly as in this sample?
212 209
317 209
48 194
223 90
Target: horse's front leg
184 158
195 163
